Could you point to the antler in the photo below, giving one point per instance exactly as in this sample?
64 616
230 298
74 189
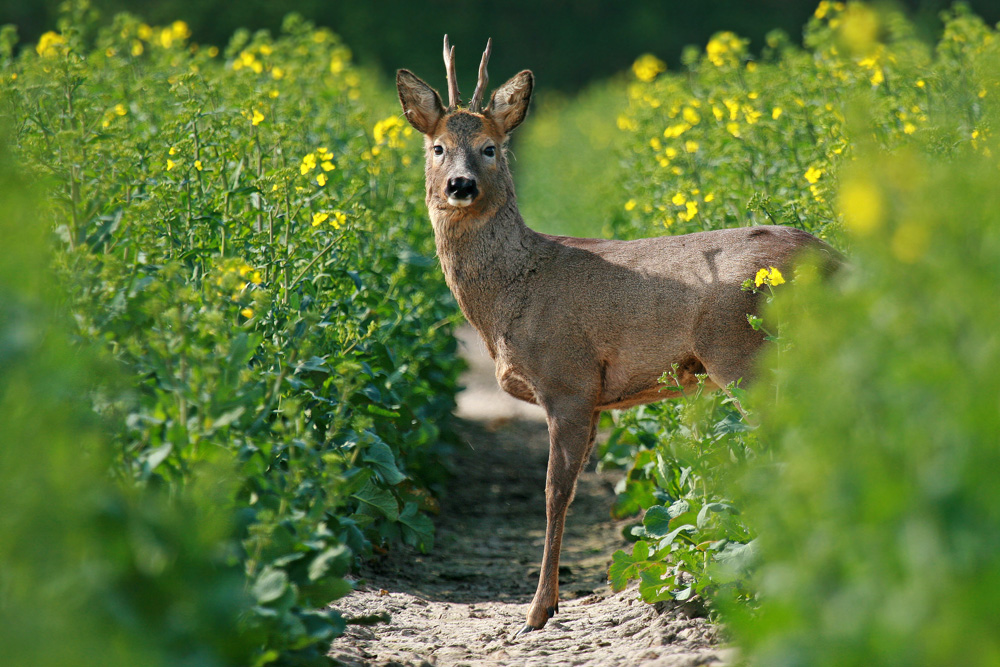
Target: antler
477 97
449 64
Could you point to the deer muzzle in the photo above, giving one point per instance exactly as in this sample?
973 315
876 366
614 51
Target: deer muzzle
461 191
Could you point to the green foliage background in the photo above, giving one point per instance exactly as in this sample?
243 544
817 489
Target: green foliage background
238 233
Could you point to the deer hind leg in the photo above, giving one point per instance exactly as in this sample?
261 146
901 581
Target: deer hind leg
572 429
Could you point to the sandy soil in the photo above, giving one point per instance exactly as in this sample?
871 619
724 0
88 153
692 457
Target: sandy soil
463 603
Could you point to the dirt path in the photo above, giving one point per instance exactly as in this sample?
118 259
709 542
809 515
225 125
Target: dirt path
462 603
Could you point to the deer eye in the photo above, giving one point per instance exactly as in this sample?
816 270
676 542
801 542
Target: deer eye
490 151
438 149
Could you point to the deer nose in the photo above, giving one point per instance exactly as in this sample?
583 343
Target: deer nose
461 188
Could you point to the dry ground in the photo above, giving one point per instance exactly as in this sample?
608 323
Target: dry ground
463 603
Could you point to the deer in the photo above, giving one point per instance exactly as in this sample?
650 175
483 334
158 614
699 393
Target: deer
578 326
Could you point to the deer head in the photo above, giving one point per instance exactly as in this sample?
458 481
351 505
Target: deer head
466 149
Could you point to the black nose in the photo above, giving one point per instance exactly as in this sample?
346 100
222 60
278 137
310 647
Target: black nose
462 188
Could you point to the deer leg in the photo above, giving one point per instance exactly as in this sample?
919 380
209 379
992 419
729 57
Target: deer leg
571 437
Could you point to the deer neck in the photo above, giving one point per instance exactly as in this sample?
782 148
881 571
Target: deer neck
487 258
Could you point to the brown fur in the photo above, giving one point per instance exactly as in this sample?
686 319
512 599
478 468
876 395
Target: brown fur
575 325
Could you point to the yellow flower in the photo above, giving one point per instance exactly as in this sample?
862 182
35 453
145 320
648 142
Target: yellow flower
691 210
813 174
257 117
769 276
691 146
339 218
308 164
170 164
676 130
647 67
197 165
120 110
247 313
626 123
679 199
172 151
630 205
327 165
321 180
733 129
49 44
776 113
861 204
909 128
691 116
180 30
319 218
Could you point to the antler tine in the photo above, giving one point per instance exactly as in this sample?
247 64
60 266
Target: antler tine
449 64
477 97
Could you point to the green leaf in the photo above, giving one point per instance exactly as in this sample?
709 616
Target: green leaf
713 507
672 535
653 586
657 521
334 561
381 457
678 508
271 584
155 457
621 568
325 590
421 528
378 500
737 560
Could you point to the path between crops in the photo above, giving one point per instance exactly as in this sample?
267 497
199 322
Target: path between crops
462 603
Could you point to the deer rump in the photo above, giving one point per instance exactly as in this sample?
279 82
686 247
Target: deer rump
613 316
577 325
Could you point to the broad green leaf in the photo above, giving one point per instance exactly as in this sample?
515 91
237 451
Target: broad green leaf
380 456
331 562
270 585
378 500
657 521
622 566
420 525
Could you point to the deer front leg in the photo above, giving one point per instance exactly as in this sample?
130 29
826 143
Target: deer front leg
572 428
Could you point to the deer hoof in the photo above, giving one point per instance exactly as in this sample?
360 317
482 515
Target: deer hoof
553 610
525 630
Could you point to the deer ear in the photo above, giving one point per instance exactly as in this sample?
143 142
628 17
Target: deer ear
421 103
509 104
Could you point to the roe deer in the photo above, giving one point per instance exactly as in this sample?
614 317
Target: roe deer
577 325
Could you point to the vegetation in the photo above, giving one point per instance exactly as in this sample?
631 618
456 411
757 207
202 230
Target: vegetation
235 231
